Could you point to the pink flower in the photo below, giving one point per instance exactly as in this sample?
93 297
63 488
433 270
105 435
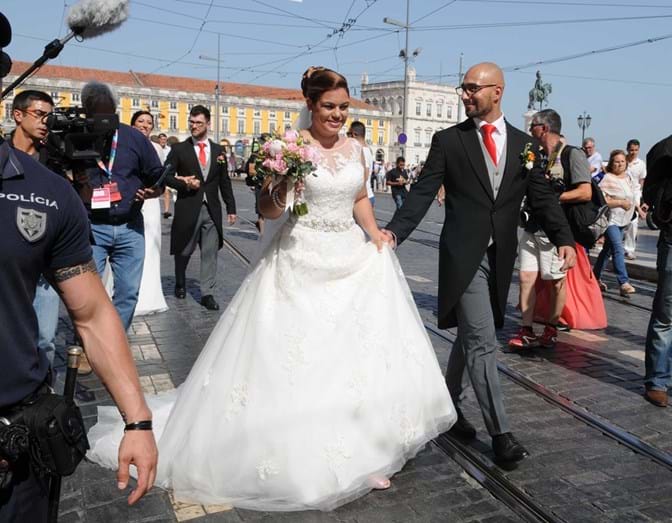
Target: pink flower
266 147
291 136
309 154
279 166
267 163
292 147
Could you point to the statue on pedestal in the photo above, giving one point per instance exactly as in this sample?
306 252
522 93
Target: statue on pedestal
539 93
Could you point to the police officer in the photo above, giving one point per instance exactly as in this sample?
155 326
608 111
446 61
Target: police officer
45 231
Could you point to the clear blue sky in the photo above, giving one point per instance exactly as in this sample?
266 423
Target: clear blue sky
271 42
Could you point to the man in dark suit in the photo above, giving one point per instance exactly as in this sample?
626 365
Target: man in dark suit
480 164
202 174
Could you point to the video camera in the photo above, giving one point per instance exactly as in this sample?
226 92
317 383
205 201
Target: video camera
77 140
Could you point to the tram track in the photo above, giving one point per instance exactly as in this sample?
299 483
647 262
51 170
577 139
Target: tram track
489 475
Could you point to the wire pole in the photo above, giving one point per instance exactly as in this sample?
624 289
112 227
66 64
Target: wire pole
405 109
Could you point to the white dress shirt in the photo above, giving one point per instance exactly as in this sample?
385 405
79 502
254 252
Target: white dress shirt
498 135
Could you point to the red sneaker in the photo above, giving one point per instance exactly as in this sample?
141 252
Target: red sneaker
525 339
549 338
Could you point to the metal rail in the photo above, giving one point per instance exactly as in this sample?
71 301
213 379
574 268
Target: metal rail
606 427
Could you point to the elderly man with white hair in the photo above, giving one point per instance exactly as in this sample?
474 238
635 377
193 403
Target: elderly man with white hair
116 189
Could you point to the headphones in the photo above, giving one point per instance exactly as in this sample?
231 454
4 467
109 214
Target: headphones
5 39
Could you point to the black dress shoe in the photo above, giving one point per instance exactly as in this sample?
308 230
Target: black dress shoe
167 214
180 293
507 449
209 303
462 428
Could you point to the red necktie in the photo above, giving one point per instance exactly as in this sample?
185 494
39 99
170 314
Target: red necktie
489 142
201 154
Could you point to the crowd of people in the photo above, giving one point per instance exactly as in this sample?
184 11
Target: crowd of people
279 413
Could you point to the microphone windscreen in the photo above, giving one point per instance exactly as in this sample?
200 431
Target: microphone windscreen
91 18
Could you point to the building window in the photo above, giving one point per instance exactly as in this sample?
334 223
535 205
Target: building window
271 114
287 115
429 110
257 128
368 122
190 107
417 142
8 111
256 113
55 97
381 123
380 138
439 110
173 122
418 109
271 127
428 138
75 97
449 111
135 102
241 126
225 110
225 125
173 105
155 104
288 126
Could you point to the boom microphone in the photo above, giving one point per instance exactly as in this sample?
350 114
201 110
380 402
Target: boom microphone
87 19
91 18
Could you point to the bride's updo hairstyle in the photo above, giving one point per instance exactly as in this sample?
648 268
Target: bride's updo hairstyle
318 80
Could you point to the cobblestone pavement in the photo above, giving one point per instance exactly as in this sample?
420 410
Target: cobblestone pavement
574 471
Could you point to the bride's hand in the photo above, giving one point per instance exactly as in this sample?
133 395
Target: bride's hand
380 238
299 187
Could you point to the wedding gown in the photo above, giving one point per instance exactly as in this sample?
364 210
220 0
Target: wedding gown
150 296
318 376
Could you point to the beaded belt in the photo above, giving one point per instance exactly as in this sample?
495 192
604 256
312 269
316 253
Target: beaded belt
324 225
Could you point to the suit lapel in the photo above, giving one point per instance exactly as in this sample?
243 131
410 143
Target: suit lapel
473 149
513 150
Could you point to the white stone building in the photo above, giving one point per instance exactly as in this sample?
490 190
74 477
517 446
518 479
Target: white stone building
431 107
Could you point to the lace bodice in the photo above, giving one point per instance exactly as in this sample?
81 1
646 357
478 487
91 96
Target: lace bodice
330 194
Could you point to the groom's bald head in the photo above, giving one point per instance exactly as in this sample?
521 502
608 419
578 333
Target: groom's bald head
483 87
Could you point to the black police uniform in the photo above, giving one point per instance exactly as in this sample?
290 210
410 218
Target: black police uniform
44 228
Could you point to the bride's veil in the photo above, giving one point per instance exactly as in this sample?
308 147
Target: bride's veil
272 227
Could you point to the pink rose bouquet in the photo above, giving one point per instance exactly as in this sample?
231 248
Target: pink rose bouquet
287 157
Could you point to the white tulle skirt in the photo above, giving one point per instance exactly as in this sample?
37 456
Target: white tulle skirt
318 376
150 295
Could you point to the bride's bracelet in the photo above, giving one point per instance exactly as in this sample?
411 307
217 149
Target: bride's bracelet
275 198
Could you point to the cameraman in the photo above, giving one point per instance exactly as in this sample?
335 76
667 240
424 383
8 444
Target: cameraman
30 110
115 190
657 194
45 231
536 253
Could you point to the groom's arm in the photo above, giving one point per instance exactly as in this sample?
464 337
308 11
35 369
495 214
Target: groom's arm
422 193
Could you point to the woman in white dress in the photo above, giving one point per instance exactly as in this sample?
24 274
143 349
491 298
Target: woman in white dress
301 399
150 296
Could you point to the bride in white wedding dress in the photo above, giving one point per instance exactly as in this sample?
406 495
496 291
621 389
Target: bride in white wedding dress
319 381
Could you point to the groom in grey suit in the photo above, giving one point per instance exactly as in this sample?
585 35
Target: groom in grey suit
480 164
202 175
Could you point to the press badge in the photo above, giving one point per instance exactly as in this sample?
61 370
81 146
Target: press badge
100 199
115 195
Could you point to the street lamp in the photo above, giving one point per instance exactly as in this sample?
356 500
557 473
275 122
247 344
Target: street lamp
218 60
584 122
405 57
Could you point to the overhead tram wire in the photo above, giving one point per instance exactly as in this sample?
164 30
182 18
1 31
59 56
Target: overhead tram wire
489 25
447 4
566 3
193 44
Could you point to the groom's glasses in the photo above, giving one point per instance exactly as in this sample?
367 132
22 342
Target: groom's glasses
471 89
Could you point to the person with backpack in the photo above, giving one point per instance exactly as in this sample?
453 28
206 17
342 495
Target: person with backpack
568 172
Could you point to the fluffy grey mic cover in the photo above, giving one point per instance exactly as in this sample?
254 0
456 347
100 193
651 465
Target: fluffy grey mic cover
91 18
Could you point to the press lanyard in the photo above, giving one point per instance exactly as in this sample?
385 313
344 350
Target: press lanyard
113 155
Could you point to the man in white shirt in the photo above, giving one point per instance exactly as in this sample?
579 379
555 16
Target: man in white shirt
594 158
358 132
637 171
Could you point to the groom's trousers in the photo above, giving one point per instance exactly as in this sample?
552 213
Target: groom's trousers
205 235
474 349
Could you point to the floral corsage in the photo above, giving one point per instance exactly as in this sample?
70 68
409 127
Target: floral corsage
221 159
527 157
